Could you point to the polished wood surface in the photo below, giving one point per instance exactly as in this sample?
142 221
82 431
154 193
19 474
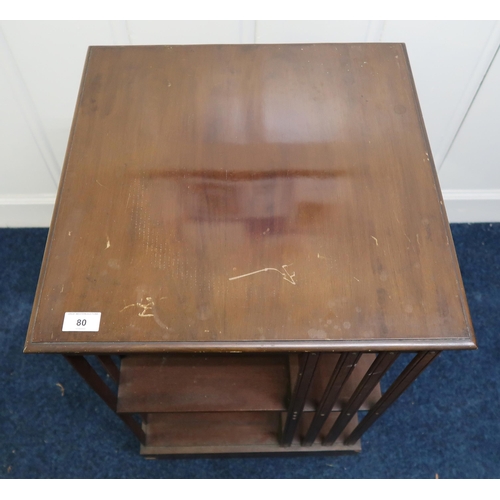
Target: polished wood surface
271 197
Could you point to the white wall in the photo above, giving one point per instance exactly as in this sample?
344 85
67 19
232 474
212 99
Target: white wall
455 66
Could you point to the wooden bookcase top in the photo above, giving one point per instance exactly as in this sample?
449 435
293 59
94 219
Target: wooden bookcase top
250 197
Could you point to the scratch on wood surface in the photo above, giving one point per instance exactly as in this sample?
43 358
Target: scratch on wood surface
407 237
99 183
62 288
148 310
321 257
418 241
286 275
108 244
355 278
145 307
376 241
126 307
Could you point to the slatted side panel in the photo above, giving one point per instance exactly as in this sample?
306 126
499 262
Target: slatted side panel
403 381
330 389
322 385
341 373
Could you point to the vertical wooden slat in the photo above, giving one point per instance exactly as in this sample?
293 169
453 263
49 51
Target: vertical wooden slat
304 378
376 371
111 369
407 376
82 366
341 373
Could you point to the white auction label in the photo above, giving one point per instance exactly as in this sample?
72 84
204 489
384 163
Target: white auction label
81 322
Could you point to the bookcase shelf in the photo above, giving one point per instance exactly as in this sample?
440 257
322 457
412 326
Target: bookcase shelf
229 432
227 403
203 383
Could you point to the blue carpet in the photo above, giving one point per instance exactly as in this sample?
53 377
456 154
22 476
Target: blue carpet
447 423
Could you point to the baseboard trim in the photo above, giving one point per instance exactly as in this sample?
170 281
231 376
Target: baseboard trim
26 210
462 205
472 205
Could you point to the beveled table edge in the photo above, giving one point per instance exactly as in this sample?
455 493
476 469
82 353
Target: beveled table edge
452 343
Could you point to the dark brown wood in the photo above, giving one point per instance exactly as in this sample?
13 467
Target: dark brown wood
407 376
343 370
305 425
304 377
85 370
111 369
217 347
203 383
271 197
225 206
322 376
213 429
214 433
381 364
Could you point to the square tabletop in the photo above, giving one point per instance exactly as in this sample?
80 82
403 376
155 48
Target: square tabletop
249 197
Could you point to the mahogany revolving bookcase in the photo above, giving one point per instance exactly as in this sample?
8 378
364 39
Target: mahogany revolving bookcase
246 237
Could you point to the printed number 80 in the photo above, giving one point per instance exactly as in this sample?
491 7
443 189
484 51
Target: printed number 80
81 322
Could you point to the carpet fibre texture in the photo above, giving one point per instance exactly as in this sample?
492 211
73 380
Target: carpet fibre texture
447 423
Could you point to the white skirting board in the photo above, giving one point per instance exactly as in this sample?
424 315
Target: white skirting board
472 205
462 205
26 210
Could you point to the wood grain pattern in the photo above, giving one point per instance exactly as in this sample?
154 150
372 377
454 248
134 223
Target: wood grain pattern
203 383
250 197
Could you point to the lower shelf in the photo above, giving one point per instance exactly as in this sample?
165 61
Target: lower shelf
229 432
